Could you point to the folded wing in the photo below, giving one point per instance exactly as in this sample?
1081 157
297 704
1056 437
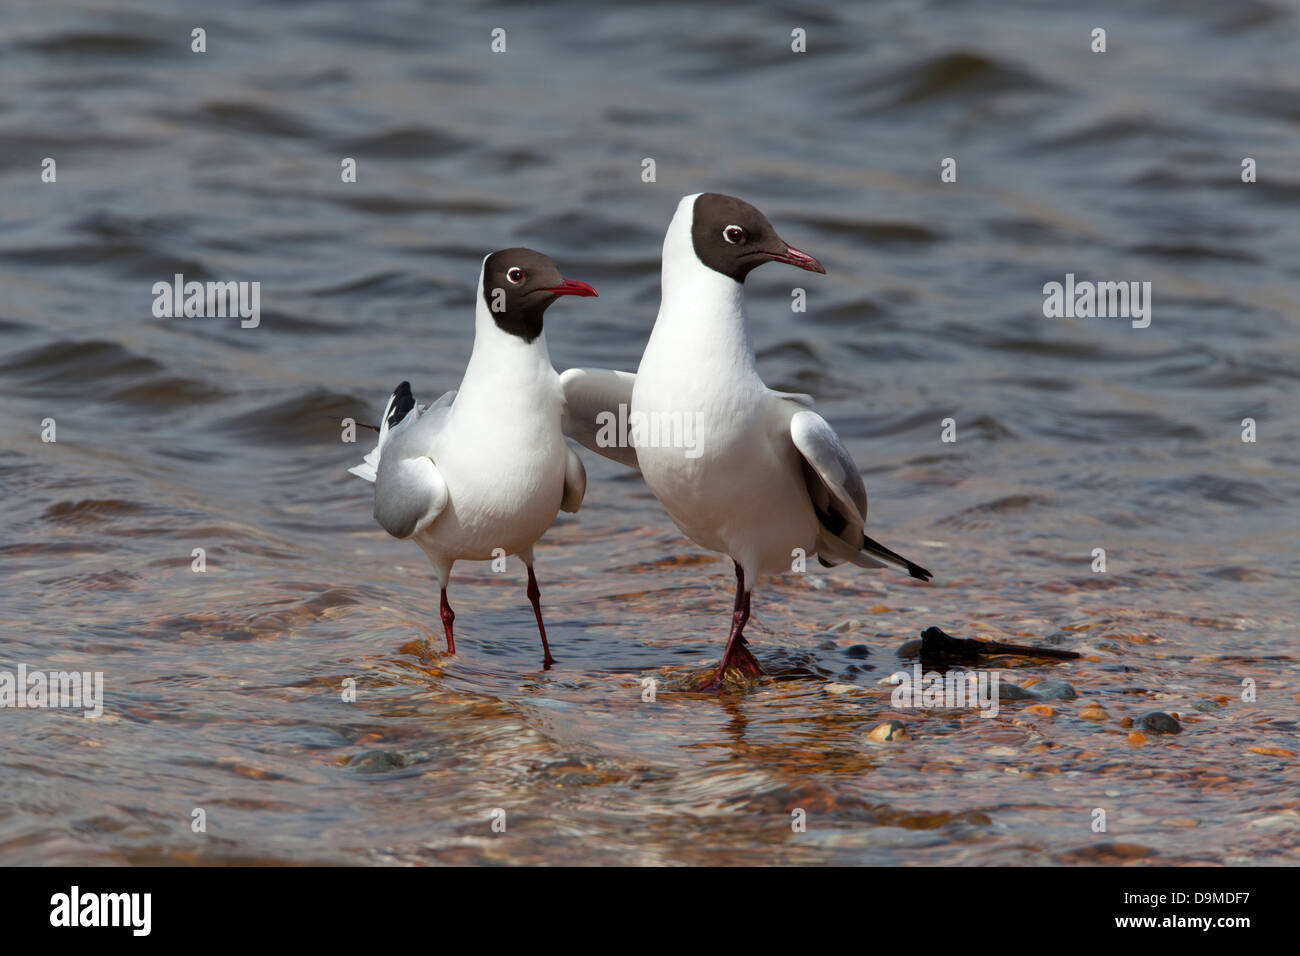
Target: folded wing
839 498
409 490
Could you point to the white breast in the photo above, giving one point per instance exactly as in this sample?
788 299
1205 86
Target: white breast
741 492
501 454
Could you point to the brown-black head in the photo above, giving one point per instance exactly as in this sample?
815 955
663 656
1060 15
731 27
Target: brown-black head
519 285
733 237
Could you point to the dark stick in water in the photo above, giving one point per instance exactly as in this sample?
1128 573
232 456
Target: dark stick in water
936 645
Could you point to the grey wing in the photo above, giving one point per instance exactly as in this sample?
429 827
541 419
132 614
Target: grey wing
409 490
409 494
593 400
575 482
834 484
840 499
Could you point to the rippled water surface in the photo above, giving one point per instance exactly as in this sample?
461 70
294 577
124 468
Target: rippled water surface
224 688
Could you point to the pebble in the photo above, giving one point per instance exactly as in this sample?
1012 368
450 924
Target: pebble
1136 738
1158 722
1041 710
1092 712
1053 690
376 761
858 650
889 731
852 624
840 688
1009 691
1126 722
909 648
1271 751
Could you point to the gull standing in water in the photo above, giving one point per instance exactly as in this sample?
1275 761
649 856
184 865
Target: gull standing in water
485 469
765 474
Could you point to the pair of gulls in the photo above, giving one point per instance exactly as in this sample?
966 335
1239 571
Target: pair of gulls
487 467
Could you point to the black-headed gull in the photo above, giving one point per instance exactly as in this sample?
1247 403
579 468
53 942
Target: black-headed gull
741 469
483 471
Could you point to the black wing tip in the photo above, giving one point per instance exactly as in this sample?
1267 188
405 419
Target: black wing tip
918 572
914 569
403 401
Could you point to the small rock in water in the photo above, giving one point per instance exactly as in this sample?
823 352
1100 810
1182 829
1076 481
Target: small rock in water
1041 710
841 688
1158 722
889 731
1272 751
1092 712
1053 690
1136 738
376 761
858 650
1010 691
852 624
909 648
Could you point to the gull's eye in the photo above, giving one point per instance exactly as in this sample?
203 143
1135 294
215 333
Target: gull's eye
515 275
733 234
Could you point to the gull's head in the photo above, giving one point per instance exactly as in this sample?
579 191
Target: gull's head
519 285
732 237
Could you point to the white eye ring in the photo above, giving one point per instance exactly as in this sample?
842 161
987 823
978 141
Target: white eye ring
726 234
515 275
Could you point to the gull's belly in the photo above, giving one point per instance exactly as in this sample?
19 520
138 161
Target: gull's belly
743 496
502 495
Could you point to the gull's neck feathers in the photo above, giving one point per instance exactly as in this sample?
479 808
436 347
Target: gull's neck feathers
500 360
701 310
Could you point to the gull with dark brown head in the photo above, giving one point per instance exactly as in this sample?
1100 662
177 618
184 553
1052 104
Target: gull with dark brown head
483 471
764 477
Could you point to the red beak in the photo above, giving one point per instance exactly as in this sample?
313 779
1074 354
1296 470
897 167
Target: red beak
794 257
571 287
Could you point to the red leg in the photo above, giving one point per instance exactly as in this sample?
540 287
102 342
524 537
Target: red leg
535 595
447 617
736 654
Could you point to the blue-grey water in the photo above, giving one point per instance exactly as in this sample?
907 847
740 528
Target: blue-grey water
223 689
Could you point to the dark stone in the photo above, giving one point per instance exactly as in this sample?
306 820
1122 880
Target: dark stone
376 761
1053 690
1158 722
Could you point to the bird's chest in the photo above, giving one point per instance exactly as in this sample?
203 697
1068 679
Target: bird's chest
695 443
506 464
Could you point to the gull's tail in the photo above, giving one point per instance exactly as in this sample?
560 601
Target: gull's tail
878 550
400 404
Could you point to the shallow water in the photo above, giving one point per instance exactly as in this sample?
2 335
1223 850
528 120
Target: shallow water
224 688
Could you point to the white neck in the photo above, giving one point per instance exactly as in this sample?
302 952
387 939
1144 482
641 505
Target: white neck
700 309
500 360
